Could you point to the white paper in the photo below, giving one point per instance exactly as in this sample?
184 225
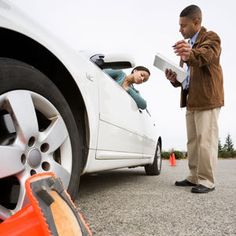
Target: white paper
163 63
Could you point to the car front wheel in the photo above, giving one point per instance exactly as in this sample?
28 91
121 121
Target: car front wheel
155 167
38 133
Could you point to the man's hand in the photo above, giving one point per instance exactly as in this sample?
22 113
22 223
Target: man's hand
182 49
170 75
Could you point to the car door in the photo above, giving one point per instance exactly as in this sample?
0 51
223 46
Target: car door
120 123
150 135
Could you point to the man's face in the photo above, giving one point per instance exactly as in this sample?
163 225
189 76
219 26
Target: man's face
188 27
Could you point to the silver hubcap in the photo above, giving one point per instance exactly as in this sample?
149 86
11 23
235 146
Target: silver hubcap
35 140
34 158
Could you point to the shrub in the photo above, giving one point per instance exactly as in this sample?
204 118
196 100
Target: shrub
233 154
165 155
227 154
178 155
183 155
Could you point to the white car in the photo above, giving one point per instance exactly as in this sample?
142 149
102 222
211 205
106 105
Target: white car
59 111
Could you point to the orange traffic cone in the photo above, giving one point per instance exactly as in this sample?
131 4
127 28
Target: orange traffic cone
172 160
50 211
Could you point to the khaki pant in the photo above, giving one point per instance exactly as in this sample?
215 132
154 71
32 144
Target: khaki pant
202 146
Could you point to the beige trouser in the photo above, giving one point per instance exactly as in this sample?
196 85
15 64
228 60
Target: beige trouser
202 146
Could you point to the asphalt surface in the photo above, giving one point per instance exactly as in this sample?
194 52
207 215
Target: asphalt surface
127 202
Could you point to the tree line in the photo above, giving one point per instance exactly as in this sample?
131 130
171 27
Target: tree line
224 151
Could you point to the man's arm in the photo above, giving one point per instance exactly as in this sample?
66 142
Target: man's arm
204 54
207 52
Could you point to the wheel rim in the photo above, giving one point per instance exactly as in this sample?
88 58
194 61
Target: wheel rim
35 139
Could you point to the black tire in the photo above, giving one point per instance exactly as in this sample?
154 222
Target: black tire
18 78
155 167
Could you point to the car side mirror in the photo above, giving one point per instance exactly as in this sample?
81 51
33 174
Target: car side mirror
113 61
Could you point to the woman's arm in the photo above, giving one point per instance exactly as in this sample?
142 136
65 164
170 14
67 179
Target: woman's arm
117 75
141 103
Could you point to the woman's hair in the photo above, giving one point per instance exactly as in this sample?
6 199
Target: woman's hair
141 68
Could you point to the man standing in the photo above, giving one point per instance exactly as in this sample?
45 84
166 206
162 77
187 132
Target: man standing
202 94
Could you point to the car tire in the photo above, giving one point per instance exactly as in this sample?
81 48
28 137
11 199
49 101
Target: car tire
29 99
155 167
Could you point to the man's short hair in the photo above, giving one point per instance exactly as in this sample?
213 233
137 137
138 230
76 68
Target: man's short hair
193 12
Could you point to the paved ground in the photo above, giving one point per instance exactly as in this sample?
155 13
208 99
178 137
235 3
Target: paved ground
127 202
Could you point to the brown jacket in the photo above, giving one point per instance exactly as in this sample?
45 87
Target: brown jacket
206 77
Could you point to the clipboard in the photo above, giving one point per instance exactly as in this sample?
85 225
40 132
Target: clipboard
163 63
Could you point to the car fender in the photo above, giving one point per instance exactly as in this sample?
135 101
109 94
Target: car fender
82 70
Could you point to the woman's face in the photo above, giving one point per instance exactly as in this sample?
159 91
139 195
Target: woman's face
140 76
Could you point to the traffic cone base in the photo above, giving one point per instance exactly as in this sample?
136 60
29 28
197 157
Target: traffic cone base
50 211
